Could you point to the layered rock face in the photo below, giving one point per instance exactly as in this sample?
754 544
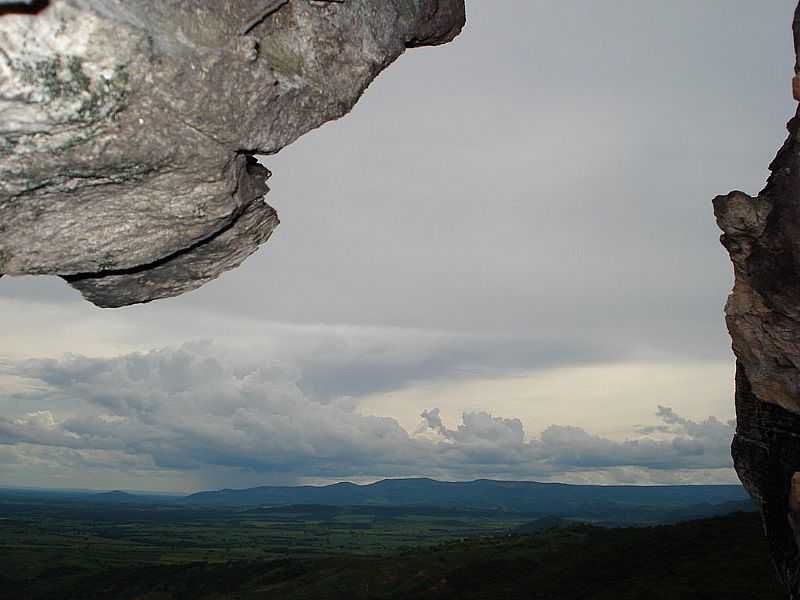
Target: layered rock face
128 129
762 235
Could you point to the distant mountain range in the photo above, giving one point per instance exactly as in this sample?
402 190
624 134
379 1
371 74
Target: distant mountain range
396 498
484 494
117 496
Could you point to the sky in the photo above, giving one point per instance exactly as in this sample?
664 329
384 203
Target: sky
503 263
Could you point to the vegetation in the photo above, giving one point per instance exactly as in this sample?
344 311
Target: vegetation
68 548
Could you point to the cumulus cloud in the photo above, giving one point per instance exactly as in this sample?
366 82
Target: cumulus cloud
483 439
195 407
227 416
433 421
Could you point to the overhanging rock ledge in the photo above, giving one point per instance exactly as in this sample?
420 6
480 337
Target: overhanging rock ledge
128 129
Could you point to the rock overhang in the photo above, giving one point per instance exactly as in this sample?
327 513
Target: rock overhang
127 130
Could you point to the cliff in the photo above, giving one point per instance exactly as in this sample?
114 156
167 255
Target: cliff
762 236
128 129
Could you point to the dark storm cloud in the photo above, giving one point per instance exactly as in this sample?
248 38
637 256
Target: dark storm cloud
199 408
390 362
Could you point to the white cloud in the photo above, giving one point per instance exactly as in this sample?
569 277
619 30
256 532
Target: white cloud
217 416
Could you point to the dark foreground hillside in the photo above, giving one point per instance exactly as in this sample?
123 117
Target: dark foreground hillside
719 558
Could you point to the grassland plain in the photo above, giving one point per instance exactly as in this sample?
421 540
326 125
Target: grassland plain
66 535
77 546
723 557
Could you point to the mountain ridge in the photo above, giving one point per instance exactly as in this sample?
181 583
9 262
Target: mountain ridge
528 496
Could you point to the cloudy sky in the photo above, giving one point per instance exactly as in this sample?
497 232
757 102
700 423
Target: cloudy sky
502 264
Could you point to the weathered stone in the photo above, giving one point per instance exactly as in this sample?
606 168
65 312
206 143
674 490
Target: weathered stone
762 235
126 127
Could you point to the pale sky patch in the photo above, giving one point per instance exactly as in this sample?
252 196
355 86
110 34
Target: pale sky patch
610 399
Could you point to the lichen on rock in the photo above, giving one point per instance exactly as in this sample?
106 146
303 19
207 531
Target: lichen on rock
127 129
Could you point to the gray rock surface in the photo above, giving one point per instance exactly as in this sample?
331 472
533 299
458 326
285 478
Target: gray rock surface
127 129
762 236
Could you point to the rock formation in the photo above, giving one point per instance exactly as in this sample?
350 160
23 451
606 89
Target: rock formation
128 129
762 235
